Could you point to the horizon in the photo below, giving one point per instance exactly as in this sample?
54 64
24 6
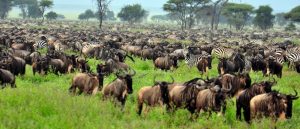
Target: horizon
71 9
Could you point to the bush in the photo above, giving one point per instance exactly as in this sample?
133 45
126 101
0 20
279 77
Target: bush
290 27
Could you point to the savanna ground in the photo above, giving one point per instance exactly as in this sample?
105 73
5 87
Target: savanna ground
44 102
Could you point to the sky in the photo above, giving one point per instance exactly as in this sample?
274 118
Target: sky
71 8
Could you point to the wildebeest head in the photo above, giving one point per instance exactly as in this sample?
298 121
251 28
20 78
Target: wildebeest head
127 76
163 85
268 85
102 69
209 60
289 99
244 79
220 96
174 60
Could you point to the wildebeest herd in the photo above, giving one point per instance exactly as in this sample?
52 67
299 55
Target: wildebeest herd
21 47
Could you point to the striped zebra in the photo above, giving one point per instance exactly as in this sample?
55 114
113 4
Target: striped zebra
222 52
40 44
192 60
293 55
277 58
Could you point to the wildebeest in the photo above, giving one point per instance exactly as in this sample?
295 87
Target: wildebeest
259 64
184 95
212 99
115 66
236 65
165 63
120 87
275 67
88 83
237 82
243 100
202 65
57 65
273 104
41 65
297 65
6 77
158 94
15 65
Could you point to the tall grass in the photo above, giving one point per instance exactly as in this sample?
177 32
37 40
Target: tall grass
44 102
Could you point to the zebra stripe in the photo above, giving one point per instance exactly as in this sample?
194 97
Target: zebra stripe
40 44
222 52
293 56
192 60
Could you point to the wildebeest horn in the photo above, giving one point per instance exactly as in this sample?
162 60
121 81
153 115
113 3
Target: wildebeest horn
132 72
295 96
273 80
227 90
172 80
212 89
154 80
120 73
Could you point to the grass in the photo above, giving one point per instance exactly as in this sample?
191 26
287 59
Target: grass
44 102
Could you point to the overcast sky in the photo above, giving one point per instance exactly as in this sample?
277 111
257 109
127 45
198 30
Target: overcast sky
71 8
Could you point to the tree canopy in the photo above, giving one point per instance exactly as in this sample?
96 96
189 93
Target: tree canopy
294 14
5 7
184 10
264 18
51 15
280 20
44 4
132 13
238 14
88 14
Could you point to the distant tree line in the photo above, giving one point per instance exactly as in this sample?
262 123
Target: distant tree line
29 9
189 13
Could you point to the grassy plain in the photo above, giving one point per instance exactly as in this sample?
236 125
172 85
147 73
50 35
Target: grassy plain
44 102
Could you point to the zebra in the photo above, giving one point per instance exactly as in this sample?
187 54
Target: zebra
40 44
192 60
222 52
293 56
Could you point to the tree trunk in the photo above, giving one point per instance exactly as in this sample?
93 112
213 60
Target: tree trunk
24 14
101 21
212 22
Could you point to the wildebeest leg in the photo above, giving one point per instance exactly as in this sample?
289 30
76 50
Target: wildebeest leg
80 92
247 114
224 109
72 89
238 111
123 104
140 108
13 85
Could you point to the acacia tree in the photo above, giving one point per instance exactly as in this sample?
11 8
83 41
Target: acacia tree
280 20
264 18
237 14
216 10
23 5
102 6
5 7
34 10
88 14
109 16
294 14
44 4
51 15
184 10
132 13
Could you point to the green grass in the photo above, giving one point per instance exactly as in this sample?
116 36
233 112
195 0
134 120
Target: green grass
44 102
